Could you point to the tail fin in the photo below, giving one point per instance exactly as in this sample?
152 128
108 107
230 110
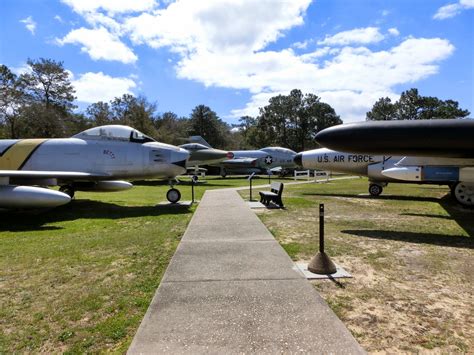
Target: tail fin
198 139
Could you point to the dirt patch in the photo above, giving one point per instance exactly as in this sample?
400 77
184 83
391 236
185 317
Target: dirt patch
411 259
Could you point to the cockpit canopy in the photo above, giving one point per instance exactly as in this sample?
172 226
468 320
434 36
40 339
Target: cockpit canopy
114 132
193 146
279 150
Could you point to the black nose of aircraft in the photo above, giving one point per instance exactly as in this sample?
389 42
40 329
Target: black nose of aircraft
298 159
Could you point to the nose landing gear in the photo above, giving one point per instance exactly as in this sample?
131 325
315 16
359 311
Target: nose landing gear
173 195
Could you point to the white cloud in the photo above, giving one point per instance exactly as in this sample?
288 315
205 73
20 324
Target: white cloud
217 25
22 69
468 4
100 44
111 6
30 24
59 19
224 43
451 10
358 35
94 87
394 31
351 81
301 45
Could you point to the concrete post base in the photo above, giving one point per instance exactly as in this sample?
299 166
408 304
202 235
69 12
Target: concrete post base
321 264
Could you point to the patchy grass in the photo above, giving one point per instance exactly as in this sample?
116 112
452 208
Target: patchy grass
79 278
411 254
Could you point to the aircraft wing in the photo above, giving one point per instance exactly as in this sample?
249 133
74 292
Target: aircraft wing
65 175
239 163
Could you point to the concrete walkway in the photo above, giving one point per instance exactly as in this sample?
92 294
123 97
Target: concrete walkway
231 288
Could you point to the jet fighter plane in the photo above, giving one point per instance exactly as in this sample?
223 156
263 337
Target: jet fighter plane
91 160
263 161
429 151
201 153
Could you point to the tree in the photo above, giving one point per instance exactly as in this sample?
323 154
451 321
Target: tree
205 123
136 112
171 128
383 110
99 113
293 120
413 106
47 101
12 97
48 82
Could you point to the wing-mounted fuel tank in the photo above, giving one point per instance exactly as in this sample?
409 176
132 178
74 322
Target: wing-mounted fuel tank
374 171
19 197
442 174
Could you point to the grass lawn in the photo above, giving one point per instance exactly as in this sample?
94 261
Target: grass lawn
410 252
80 277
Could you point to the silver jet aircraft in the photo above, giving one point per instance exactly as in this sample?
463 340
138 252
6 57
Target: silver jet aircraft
201 153
382 169
430 151
262 161
371 166
94 160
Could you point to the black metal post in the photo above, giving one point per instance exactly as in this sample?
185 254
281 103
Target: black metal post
250 189
269 180
194 180
321 227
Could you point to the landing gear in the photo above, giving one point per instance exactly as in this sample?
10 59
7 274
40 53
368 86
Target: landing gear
464 193
173 195
223 172
375 189
68 190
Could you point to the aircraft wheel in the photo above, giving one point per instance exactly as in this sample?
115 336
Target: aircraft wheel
68 190
464 193
173 195
375 190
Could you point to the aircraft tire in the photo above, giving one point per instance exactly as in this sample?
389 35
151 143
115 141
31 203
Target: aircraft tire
68 190
173 195
375 189
464 193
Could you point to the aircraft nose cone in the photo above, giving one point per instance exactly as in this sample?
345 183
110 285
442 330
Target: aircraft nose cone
298 159
180 157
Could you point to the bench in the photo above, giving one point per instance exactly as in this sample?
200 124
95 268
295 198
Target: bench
274 194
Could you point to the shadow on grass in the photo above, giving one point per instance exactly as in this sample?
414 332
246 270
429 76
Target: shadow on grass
413 237
449 218
382 197
463 216
80 209
203 183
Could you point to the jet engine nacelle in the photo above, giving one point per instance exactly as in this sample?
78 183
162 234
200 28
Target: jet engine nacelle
374 172
103 186
13 197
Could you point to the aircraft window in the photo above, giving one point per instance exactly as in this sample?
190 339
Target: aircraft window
115 132
195 146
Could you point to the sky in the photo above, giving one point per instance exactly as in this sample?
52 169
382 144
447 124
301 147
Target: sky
233 55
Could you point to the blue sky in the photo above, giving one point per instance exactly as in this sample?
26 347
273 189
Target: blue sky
233 55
